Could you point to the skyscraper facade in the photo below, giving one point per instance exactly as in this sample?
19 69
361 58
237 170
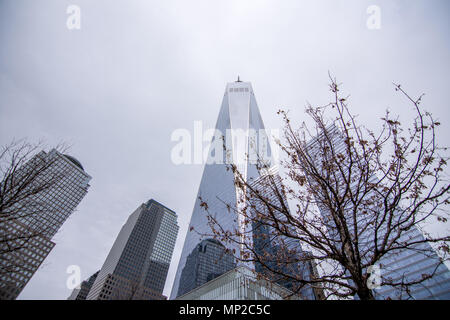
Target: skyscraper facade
406 264
278 255
240 139
208 261
34 219
82 292
239 284
137 264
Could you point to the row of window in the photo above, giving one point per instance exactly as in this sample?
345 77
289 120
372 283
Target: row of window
239 90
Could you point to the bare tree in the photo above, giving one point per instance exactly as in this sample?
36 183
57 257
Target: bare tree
359 199
25 216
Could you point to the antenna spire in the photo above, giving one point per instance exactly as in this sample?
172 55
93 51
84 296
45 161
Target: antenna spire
239 79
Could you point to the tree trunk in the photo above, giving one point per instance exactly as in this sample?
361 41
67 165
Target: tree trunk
365 293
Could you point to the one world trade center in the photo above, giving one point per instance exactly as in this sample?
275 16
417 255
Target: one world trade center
239 139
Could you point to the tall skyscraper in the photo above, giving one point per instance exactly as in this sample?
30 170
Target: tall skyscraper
240 139
208 261
59 183
136 267
406 265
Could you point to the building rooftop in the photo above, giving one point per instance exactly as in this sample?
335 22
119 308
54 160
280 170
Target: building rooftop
74 161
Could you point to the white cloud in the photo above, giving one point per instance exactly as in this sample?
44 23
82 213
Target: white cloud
137 70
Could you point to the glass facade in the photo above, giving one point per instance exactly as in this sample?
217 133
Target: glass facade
239 284
278 254
241 130
137 265
67 185
38 217
82 292
207 261
407 264
238 114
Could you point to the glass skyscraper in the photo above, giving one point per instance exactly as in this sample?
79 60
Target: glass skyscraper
38 217
239 284
406 265
137 264
238 115
279 255
82 292
240 139
208 261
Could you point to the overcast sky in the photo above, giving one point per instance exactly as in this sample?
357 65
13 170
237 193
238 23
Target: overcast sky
138 70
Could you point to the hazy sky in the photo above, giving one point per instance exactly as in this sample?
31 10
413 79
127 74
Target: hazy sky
138 70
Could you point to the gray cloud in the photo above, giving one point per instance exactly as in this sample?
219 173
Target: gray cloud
137 70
